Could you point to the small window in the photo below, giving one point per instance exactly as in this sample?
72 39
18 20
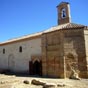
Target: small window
20 49
3 51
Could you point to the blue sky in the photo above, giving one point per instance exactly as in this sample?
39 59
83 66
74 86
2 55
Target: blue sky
22 17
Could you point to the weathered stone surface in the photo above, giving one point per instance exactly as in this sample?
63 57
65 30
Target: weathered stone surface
64 50
53 54
26 82
61 85
49 85
74 75
37 82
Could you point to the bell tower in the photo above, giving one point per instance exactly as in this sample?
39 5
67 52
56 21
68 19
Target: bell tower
63 13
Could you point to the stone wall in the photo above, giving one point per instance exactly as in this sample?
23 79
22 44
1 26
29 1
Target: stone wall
74 52
63 51
66 19
52 54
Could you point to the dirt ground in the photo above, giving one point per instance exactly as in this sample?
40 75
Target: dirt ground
12 81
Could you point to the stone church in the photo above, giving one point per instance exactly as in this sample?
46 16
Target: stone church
56 52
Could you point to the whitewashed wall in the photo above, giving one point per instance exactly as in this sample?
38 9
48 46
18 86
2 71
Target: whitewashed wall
20 61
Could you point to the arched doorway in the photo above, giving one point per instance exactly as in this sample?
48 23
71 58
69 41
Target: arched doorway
35 68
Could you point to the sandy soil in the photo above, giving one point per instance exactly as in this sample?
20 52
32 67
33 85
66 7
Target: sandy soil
7 81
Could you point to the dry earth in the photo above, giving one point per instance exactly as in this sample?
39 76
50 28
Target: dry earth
12 81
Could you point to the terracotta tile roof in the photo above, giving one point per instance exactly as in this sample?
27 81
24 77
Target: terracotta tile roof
22 38
65 26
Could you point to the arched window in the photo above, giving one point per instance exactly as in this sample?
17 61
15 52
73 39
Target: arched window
20 49
3 51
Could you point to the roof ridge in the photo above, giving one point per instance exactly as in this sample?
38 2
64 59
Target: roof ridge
78 24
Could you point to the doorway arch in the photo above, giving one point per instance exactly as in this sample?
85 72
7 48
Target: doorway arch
35 68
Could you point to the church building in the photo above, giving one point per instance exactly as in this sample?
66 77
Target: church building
55 52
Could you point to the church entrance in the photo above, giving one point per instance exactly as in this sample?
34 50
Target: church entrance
35 68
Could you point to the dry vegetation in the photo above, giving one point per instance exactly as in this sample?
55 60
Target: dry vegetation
11 81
